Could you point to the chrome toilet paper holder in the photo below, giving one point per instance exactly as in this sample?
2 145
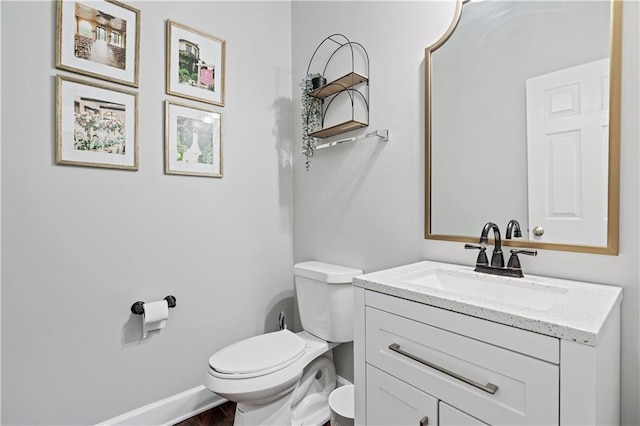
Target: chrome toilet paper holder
138 307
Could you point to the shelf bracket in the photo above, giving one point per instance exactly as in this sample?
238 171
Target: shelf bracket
382 134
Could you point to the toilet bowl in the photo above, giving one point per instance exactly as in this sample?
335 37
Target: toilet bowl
283 378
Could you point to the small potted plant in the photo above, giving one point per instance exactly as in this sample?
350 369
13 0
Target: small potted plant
311 113
318 81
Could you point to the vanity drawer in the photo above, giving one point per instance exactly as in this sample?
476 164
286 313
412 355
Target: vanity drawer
494 384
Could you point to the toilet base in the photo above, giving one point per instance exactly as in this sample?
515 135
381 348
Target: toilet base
277 412
314 411
307 404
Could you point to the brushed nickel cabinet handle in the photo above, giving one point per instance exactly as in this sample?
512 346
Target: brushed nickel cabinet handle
489 387
424 421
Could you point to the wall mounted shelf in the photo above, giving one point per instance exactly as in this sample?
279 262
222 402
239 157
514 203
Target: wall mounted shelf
346 82
352 87
347 126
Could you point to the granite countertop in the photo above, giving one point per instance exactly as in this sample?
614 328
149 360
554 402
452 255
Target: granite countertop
565 309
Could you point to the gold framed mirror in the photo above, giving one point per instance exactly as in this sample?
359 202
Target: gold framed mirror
522 122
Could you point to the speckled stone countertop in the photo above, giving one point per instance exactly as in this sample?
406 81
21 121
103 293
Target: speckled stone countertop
569 310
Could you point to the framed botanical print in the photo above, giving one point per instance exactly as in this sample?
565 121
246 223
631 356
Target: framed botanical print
99 38
195 64
193 140
96 126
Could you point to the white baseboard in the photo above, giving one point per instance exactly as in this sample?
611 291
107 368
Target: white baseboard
342 381
170 411
176 408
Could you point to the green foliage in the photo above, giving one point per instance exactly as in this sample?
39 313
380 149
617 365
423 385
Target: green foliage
93 132
311 113
183 75
207 154
181 148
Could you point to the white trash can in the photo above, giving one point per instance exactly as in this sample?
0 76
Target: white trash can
341 402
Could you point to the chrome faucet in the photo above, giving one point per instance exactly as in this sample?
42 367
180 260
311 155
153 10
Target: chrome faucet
497 267
497 258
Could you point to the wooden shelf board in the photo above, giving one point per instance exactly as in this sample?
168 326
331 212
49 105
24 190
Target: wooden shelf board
338 129
349 80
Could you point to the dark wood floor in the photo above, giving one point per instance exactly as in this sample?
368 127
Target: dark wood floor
221 415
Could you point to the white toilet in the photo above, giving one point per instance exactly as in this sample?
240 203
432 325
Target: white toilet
284 378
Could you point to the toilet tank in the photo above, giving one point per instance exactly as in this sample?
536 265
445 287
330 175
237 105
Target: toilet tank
325 299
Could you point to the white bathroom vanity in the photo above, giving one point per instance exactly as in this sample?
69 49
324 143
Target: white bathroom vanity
440 344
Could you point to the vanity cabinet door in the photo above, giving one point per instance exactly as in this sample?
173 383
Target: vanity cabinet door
450 416
391 402
494 384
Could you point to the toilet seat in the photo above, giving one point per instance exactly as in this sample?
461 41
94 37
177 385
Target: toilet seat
257 356
266 387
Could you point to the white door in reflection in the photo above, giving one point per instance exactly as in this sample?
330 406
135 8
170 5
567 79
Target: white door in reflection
567 154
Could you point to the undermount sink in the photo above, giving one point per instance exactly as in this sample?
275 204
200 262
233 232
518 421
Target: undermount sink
520 292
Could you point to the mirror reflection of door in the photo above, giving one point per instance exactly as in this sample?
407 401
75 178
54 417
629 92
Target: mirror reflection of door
567 154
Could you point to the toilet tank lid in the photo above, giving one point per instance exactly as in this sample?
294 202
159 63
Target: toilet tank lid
326 272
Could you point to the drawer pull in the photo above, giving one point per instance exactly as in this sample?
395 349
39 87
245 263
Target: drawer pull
489 387
424 421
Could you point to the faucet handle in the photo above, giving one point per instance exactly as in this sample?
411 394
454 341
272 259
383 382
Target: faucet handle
523 251
482 256
514 262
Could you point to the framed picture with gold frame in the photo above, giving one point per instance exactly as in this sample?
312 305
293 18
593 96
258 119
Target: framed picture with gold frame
193 140
96 125
195 64
99 38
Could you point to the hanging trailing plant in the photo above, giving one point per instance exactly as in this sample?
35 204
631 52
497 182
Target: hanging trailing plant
311 112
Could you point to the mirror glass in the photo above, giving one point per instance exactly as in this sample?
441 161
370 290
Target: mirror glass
523 123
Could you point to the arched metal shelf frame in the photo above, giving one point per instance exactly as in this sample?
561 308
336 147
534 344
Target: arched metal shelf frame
349 125
345 84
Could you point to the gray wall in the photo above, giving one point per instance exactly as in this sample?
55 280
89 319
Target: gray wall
72 267
362 204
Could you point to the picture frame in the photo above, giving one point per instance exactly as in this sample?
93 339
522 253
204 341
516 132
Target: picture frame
195 66
100 39
193 140
96 125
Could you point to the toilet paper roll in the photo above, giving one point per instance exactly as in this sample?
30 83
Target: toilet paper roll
155 316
